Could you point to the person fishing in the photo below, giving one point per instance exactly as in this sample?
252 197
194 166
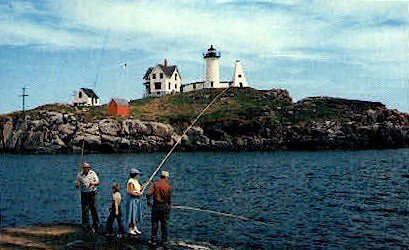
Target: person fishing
88 180
161 192
115 211
133 204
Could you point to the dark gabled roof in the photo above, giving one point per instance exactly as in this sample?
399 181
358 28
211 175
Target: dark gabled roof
168 70
90 93
148 72
120 101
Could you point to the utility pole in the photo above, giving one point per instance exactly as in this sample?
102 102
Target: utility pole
24 99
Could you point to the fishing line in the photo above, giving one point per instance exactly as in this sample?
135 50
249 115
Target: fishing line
180 138
234 216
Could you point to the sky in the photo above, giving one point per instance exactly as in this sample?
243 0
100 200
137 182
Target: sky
342 48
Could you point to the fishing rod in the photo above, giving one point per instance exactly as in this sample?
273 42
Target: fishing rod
82 151
234 216
180 138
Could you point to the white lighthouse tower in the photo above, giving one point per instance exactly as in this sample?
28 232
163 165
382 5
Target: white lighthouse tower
212 68
239 80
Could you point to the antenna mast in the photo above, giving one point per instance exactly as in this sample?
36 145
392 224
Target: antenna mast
24 98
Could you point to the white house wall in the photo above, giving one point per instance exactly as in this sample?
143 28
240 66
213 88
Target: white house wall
164 82
84 100
193 86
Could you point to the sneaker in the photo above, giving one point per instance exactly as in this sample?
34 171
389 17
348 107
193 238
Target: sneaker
136 230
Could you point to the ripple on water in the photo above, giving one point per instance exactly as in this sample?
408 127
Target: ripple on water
326 200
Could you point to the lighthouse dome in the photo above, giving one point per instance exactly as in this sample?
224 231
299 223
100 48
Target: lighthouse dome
211 53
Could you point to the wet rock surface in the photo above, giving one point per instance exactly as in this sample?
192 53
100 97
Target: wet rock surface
70 236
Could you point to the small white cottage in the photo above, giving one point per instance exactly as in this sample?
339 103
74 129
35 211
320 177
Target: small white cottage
86 97
161 80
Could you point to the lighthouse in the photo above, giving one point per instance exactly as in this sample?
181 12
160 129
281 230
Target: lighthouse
212 68
239 80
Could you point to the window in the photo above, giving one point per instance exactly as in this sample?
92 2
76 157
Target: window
168 85
176 86
211 84
241 85
239 76
158 85
80 95
194 85
176 75
161 75
154 76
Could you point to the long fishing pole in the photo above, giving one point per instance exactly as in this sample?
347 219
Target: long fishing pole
234 216
180 138
82 151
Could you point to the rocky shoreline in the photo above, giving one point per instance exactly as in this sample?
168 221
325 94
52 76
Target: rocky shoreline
71 236
311 124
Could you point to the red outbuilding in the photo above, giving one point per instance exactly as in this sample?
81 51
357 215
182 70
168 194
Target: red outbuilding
118 106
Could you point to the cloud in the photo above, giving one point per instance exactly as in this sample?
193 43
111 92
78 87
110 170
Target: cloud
282 41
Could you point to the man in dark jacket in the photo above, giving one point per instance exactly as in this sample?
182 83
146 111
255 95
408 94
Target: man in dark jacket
161 192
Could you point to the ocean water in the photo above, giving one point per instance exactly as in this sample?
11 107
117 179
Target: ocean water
326 199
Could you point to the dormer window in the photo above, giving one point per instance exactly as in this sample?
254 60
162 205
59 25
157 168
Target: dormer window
80 95
176 75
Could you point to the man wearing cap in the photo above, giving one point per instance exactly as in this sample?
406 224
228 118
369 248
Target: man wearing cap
161 192
88 180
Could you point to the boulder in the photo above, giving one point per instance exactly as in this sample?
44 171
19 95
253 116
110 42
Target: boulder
160 129
135 128
109 127
33 140
8 131
54 117
91 128
58 141
66 130
110 139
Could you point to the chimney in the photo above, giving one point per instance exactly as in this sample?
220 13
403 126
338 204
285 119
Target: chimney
165 63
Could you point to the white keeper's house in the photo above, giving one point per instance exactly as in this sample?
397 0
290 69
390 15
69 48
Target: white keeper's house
164 79
161 80
85 97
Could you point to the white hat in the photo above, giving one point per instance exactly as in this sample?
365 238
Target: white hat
164 174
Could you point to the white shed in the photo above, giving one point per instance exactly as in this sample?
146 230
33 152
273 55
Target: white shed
86 97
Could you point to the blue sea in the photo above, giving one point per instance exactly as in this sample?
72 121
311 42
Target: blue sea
325 199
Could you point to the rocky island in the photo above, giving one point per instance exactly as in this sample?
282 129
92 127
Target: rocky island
242 119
